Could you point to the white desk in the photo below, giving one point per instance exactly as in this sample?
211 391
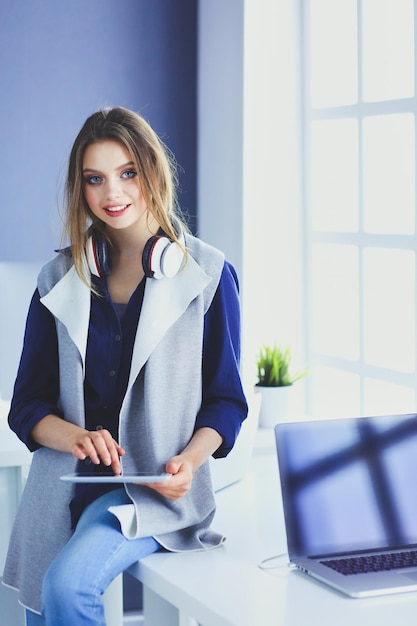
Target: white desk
225 587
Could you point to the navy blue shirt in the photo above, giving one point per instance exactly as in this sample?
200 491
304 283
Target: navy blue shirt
110 342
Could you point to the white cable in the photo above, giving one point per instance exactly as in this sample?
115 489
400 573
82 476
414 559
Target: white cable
287 564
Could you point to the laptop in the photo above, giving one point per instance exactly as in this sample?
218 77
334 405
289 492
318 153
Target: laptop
349 493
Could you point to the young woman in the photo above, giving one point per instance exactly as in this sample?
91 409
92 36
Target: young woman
130 364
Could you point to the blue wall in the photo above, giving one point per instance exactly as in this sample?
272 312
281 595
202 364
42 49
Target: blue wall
59 61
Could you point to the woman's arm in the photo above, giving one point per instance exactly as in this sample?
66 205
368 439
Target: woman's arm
36 388
224 405
34 415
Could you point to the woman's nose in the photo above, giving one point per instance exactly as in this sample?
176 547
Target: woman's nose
113 188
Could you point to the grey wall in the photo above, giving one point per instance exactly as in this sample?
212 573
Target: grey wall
220 128
59 61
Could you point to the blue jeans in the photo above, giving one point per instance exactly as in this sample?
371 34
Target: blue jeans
97 552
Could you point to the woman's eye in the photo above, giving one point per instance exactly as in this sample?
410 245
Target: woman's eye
129 174
93 180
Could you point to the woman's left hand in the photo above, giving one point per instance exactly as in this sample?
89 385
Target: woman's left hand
182 466
181 480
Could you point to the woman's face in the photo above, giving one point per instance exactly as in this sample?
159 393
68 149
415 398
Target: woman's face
111 186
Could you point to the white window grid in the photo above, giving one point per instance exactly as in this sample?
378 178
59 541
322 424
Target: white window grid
361 239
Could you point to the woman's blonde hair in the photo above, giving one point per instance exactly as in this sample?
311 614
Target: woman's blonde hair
157 176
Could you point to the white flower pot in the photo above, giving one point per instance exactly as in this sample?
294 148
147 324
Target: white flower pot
274 405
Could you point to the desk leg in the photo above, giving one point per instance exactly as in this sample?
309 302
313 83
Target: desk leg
113 602
159 611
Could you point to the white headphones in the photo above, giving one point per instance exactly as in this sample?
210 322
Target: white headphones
161 258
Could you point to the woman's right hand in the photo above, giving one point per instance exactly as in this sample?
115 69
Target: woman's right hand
99 445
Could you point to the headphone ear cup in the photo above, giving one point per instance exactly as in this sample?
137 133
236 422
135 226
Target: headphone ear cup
147 256
172 259
161 258
97 255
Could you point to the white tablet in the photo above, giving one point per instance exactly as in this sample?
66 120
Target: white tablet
141 477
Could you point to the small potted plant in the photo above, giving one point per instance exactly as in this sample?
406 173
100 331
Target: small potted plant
274 381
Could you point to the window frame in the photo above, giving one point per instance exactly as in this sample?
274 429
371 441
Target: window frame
360 239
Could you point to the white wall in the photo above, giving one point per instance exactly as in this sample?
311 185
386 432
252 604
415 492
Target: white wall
249 172
272 177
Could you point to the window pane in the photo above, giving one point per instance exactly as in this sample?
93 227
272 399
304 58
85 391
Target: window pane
333 52
334 175
388 49
335 300
389 311
335 393
383 398
388 174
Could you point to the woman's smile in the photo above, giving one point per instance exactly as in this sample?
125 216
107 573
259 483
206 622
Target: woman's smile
116 211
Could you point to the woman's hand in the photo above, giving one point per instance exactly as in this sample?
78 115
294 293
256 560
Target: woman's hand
58 434
180 482
100 447
204 442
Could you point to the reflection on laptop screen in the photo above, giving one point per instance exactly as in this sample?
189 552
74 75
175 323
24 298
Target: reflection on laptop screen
349 484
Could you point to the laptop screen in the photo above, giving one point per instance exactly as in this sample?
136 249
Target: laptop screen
348 484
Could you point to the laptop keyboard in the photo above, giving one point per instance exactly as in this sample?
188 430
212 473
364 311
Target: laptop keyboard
373 562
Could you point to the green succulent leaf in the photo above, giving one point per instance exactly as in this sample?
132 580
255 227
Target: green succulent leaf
273 364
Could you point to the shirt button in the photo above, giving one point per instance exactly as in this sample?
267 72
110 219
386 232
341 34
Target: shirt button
112 373
118 337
